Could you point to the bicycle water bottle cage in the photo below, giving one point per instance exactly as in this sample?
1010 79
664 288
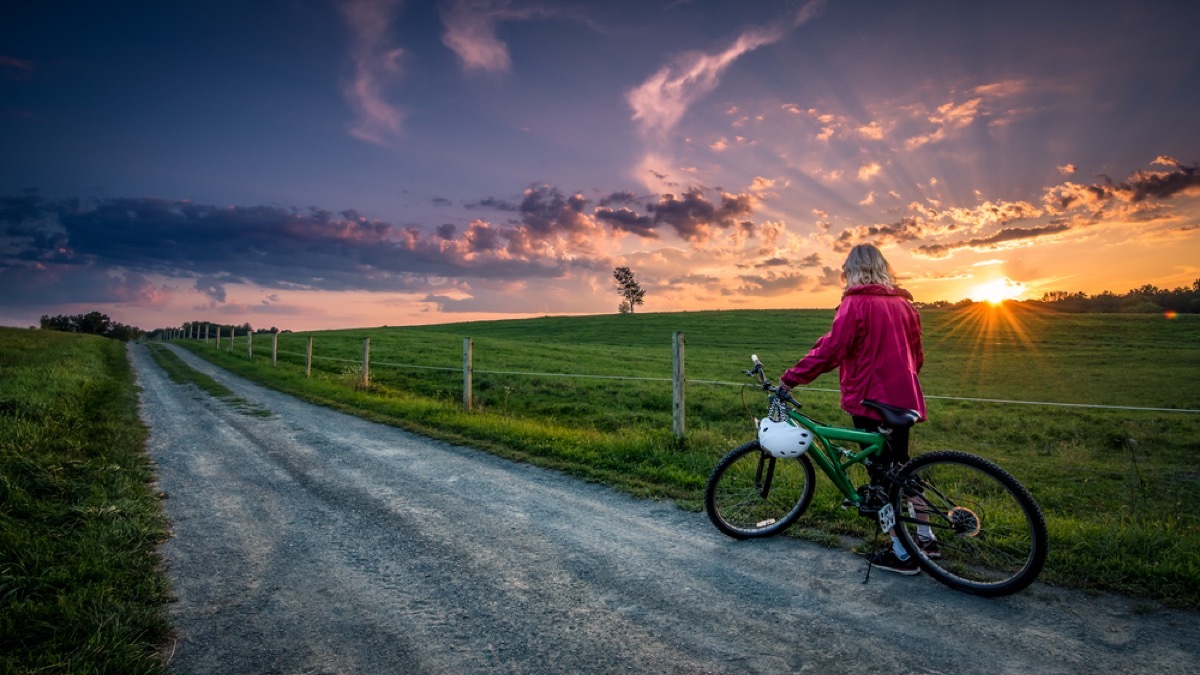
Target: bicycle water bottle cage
894 416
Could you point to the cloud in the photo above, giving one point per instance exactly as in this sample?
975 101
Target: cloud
1067 169
904 230
1002 89
274 247
770 284
1071 205
872 131
868 171
664 98
694 217
211 287
1140 186
811 260
990 213
1006 238
493 204
550 234
42 285
471 30
951 117
627 220
376 65
471 34
625 197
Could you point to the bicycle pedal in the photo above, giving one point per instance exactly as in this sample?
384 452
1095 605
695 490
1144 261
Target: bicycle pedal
869 510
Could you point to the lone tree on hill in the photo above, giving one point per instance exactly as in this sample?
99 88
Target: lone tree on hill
629 289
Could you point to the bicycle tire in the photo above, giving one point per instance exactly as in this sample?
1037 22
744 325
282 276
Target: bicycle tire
734 496
991 534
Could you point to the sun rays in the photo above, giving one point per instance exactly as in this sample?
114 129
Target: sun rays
1001 339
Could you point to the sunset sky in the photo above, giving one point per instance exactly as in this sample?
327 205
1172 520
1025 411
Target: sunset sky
314 164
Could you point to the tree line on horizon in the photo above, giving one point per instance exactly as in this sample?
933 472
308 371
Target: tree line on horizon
1146 299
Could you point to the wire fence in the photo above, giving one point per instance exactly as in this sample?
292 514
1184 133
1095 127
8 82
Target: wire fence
363 367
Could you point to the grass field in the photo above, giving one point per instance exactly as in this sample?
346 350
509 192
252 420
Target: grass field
1119 487
81 587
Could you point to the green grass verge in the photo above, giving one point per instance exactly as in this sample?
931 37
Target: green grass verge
82 589
181 373
1120 488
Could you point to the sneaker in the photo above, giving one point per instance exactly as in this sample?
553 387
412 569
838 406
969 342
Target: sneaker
887 560
929 546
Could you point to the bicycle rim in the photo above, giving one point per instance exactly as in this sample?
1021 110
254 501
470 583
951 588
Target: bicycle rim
751 494
991 536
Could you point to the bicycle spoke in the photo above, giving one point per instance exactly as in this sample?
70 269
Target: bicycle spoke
754 495
990 534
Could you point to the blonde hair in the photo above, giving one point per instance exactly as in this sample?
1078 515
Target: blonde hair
866 265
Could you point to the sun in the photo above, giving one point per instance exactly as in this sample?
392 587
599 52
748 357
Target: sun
997 291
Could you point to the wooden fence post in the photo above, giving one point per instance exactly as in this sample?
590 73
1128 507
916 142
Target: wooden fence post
206 333
218 338
677 405
249 346
232 337
467 374
274 349
366 362
308 360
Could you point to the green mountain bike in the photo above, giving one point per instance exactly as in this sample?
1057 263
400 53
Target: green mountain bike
990 534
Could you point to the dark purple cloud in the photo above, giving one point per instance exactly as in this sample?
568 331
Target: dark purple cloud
768 284
1006 235
812 260
492 204
906 229
292 248
627 221
693 216
267 245
618 198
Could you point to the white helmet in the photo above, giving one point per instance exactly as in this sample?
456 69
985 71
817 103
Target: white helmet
783 439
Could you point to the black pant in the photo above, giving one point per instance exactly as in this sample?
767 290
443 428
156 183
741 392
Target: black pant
895 451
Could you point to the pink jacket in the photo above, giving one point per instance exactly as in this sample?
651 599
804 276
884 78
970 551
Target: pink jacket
876 340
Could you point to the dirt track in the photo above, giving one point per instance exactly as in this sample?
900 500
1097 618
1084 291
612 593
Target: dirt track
315 542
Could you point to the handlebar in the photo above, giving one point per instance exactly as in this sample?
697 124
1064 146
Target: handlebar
759 374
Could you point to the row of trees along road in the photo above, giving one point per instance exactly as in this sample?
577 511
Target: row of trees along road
94 323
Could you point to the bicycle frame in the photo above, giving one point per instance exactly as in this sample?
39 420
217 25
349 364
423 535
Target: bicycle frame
825 454
822 451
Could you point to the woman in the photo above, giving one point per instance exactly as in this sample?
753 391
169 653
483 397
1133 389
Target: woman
876 342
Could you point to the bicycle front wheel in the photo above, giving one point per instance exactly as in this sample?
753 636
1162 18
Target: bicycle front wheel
751 494
991 536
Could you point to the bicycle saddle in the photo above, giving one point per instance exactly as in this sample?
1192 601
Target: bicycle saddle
894 416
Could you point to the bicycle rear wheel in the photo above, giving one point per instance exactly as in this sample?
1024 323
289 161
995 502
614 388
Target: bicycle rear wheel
751 494
991 535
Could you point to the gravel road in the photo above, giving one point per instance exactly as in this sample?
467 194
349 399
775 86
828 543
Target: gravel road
310 541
